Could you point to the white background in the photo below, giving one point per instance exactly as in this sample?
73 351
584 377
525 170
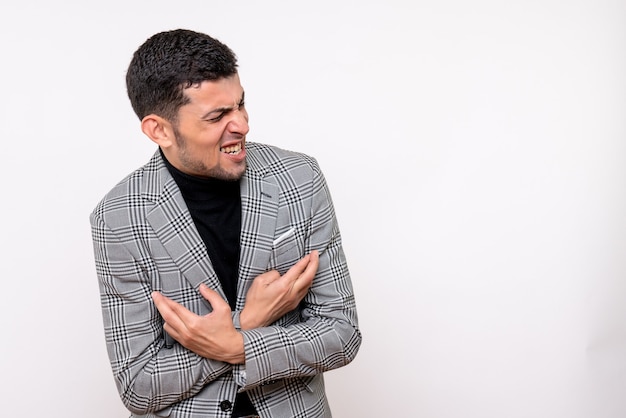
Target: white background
475 150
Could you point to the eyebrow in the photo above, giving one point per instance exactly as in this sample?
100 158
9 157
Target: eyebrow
224 109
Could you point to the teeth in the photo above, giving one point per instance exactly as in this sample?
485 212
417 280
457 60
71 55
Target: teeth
233 149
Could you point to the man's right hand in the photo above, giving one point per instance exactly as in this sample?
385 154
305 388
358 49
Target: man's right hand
271 295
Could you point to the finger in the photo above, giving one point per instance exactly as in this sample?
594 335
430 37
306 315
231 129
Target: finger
162 304
305 279
311 267
214 298
172 312
268 277
297 269
314 263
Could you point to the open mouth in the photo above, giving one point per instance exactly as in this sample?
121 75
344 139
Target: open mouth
232 150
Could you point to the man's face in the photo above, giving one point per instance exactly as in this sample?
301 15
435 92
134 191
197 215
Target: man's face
211 131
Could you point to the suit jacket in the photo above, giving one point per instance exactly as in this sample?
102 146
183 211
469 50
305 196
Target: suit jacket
145 239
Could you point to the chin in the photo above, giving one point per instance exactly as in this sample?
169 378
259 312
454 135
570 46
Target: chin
228 175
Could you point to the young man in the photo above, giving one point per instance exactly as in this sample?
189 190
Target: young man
225 290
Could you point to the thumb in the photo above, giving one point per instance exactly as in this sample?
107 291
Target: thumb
214 298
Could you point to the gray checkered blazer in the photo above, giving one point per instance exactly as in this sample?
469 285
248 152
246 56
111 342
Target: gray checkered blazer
145 240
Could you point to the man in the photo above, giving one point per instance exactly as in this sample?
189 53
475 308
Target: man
224 287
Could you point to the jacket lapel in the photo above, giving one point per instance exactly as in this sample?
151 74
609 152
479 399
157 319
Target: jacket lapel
259 207
174 227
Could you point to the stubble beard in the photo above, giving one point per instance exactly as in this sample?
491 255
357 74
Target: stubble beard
199 168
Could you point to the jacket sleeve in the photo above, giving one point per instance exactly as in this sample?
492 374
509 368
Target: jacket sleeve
149 375
326 336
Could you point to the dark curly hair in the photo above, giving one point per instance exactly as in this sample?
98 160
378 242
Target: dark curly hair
169 62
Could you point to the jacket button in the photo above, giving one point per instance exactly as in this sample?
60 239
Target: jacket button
226 405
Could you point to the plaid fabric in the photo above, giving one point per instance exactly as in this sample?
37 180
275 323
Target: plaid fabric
145 240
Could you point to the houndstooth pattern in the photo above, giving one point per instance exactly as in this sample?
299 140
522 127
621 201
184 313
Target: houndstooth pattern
145 240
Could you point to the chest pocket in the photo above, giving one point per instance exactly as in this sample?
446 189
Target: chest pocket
286 251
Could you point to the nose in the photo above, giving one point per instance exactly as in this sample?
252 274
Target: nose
238 123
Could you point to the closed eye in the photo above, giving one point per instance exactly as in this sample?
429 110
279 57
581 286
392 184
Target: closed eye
217 118
221 112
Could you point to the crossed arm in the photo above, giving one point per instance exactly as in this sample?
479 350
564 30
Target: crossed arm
214 335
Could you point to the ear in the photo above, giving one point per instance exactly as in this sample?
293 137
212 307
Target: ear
158 129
